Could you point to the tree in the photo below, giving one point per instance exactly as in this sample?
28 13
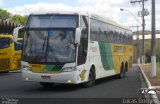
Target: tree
158 50
4 14
18 19
148 50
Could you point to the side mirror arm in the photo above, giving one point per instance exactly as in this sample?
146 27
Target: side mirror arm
15 33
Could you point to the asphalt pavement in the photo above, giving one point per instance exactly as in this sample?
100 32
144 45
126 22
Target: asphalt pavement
11 85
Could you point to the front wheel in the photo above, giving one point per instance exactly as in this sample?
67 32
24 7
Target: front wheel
91 79
46 84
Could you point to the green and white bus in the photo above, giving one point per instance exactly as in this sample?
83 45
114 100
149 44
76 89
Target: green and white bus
74 48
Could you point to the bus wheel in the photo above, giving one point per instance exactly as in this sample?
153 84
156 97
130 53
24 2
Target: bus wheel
91 79
46 84
6 71
122 72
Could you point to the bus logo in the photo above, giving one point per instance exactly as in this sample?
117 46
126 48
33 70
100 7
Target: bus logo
121 49
82 75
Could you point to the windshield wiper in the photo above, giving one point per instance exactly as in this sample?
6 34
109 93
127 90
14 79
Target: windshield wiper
44 43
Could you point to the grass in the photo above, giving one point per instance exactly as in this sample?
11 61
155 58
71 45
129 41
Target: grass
158 64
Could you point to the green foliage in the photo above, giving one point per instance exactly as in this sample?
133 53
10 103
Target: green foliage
18 19
158 64
148 50
21 33
4 14
158 50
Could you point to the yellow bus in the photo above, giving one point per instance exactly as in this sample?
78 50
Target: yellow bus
10 53
74 48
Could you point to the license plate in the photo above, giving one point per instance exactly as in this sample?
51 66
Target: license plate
46 77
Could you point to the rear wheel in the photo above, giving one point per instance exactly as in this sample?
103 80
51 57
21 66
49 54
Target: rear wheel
46 84
6 72
122 72
91 78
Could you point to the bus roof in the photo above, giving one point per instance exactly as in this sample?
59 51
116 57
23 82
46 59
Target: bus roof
6 36
94 16
19 38
59 12
109 21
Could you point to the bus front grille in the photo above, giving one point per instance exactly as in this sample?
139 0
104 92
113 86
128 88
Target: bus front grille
18 63
4 64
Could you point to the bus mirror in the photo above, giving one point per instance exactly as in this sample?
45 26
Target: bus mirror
16 33
78 35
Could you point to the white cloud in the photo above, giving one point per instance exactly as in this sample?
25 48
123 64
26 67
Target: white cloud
107 8
1 2
101 9
38 8
101 1
41 7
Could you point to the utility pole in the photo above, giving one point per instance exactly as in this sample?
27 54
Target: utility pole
142 13
153 42
138 45
143 29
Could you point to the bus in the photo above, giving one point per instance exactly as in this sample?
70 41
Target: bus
74 48
10 53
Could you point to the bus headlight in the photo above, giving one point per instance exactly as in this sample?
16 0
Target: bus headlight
68 69
24 67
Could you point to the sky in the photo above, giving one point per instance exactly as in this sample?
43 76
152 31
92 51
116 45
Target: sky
106 8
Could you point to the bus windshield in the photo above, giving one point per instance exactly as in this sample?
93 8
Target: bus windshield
52 21
4 43
51 46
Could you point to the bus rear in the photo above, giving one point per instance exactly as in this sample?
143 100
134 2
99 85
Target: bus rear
5 53
10 57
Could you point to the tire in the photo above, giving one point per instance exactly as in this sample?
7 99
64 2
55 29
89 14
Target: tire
46 84
91 81
122 72
6 72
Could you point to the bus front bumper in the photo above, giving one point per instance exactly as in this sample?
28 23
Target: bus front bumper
64 77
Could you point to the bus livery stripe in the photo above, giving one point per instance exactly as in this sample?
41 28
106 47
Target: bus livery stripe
106 55
53 67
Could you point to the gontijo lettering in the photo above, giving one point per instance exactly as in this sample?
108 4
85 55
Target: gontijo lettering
119 48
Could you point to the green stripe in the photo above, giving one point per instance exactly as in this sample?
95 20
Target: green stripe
53 67
106 55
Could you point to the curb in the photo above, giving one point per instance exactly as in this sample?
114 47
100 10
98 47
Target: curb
15 71
153 96
145 78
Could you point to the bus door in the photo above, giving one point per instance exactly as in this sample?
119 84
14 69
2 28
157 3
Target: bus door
17 54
